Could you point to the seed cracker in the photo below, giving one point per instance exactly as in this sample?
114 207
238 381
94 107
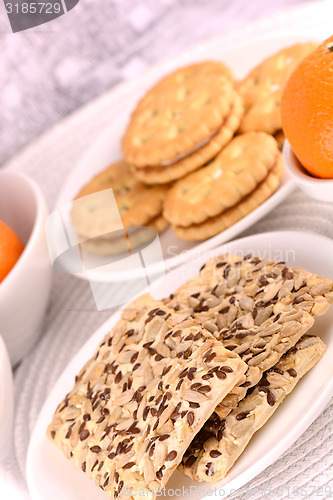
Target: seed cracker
221 441
258 308
139 401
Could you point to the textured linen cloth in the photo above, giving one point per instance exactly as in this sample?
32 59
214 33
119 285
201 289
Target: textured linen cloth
54 69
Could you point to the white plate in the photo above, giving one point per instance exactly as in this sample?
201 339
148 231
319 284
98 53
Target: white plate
50 475
241 58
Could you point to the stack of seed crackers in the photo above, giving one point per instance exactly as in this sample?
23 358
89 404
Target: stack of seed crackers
187 381
201 151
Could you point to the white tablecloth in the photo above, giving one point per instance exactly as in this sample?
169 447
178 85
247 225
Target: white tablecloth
158 29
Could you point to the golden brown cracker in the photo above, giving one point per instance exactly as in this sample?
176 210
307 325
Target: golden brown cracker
219 223
167 173
136 202
262 88
235 172
179 114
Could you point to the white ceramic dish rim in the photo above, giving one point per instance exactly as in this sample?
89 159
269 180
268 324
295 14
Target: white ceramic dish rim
38 222
298 173
269 457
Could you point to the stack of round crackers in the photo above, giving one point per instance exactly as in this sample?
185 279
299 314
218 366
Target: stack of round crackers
95 218
239 179
182 123
201 151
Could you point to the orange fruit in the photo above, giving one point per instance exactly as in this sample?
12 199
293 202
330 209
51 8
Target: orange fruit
11 248
307 111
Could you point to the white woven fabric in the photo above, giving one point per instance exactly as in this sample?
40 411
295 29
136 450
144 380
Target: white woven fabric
72 317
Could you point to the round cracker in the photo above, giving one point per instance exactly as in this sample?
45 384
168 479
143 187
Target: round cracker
262 88
179 114
223 221
234 173
165 174
137 203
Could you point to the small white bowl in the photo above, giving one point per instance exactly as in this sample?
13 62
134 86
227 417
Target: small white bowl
6 401
319 189
25 290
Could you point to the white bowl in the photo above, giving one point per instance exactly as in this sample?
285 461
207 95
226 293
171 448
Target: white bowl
24 291
319 189
6 401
